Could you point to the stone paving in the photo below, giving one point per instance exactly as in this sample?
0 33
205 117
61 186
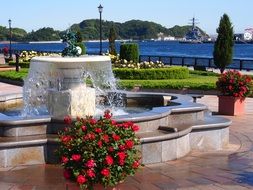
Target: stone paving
229 169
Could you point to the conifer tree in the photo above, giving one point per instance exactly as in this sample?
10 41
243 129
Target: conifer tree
112 38
223 47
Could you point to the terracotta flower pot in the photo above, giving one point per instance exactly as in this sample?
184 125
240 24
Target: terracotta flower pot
229 105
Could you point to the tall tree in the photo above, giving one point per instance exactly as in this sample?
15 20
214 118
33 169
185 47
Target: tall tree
223 47
112 38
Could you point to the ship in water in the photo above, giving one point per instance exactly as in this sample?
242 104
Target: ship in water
193 35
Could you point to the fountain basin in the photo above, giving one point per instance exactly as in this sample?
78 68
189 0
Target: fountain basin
166 132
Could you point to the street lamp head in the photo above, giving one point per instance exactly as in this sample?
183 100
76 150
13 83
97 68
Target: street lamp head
100 8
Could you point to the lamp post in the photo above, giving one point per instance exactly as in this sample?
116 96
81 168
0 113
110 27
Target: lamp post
10 35
100 9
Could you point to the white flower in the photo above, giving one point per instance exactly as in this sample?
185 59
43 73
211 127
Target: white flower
79 50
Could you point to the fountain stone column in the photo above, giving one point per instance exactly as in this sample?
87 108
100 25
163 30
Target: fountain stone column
65 92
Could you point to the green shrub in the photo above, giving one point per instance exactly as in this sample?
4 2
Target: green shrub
203 73
21 64
152 74
130 52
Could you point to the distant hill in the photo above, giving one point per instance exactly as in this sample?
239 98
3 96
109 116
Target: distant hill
133 29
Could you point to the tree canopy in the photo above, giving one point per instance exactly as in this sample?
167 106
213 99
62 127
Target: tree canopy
223 47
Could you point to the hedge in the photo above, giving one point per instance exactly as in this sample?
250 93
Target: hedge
21 64
151 74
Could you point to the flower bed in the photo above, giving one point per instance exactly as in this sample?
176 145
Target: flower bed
98 151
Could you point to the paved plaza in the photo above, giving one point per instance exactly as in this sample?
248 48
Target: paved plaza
230 169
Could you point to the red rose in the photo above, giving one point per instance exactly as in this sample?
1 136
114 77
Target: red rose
111 149
66 139
107 114
66 174
64 159
76 157
84 128
98 130
122 147
106 138
114 122
100 144
121 162
105 172
89 136
116 137
67 120
109 160
135 128
93 121
136 164
129 144
121 155
91 173
90 163
81 179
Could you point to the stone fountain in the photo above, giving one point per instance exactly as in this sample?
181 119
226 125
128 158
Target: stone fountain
171 125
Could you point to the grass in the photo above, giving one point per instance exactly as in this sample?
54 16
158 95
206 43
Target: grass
13 75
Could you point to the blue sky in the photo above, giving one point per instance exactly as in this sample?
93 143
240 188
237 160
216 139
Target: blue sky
60 14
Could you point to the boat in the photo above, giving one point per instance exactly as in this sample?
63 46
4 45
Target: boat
193 36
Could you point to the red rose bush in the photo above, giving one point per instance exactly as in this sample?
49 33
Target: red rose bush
98 151
233 83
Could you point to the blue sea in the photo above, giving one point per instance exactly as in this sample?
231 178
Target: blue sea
154 48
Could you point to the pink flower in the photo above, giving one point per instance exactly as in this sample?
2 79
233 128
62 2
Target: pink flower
76 157
81 179
109 160
64 159
66 174
67 120
90 163
91 173
105 172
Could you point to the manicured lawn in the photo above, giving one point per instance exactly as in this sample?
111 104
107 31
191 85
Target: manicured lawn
13 75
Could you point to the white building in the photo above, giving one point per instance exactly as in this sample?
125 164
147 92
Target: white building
248 34
162 37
